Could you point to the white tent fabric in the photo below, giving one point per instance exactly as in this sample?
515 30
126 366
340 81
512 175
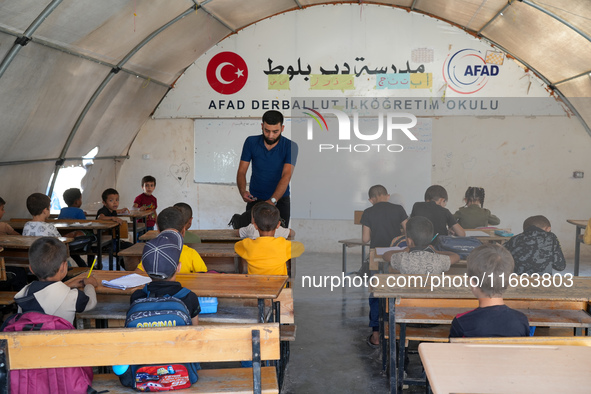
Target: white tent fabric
75 74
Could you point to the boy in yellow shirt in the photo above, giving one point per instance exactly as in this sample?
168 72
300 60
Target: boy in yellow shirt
267 255
171 219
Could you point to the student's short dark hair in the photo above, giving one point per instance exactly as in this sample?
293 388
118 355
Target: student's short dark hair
538 221
186 210
376 191
435 192
107 193
46 255
420 230
171 218
148 178
2 202
37 202
490 259
266 216
71 195
273 117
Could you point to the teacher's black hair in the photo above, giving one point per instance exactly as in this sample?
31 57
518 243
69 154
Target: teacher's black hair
273 117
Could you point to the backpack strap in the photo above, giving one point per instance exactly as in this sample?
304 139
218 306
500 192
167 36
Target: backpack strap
145 289
33 327
182 293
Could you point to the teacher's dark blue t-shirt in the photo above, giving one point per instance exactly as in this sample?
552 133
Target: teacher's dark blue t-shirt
267 165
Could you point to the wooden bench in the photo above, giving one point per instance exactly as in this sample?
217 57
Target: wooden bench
221 343
545 341
540 313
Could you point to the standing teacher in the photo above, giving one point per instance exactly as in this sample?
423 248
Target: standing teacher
273 160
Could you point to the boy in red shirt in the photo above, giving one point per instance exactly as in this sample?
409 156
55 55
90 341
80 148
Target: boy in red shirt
146 201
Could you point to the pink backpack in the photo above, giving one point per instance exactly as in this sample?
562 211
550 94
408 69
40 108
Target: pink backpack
72 380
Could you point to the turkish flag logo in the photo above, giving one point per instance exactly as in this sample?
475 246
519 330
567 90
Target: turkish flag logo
227 73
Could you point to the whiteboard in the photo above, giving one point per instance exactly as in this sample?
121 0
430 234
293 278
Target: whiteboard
218 146
324 185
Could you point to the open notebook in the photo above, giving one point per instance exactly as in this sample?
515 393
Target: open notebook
127 281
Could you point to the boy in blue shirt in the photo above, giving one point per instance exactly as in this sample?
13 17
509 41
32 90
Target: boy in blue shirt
72 198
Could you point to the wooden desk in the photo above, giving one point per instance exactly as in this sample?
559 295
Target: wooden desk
492 237
258 287
7 297
579 225
68 225
580 291
136 214
221 236
347 243
469 368
218 257
117 310
17 246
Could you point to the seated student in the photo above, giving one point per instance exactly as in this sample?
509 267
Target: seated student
536 249
419 257
267 255
492 318
474 215
49 295
171 219
38 205
5 228
161 262
250 231
189 238
110 208
434 209
73 198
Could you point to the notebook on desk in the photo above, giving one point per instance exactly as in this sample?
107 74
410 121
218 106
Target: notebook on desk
127 281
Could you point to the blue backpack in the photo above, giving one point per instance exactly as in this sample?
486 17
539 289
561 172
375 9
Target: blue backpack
166 311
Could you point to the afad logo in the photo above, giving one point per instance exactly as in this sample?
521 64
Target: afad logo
227 73
345 125
467 71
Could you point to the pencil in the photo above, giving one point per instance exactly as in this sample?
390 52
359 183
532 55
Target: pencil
433 239
91 267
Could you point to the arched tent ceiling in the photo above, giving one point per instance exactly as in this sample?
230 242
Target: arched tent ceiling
75 74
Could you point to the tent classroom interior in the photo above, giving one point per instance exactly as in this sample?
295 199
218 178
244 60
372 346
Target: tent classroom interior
97 94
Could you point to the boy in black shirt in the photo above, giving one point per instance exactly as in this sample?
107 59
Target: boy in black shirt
434 209
382 222
492 318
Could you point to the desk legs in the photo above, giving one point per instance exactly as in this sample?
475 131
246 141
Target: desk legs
577 249
134 225
261 303
392 333
345 259
99 251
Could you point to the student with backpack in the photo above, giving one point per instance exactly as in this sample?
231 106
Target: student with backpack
50 304
161 303
48 261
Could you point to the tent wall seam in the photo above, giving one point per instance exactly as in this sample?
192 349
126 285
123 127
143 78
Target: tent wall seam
564 99
103 84
26 37
19 162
